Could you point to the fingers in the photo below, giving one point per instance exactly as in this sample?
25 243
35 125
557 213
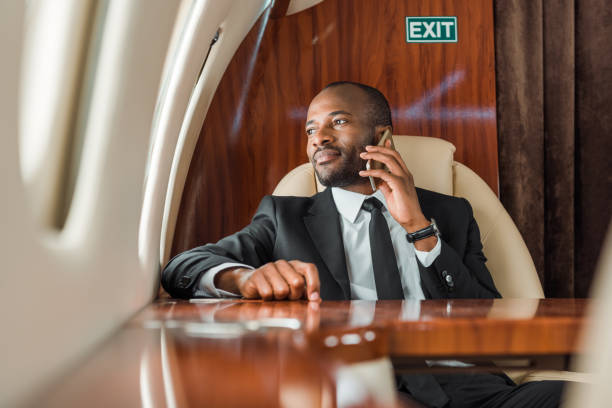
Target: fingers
389 152
381 174
311 274
294 280
256 286
385 189
279 286
282 280
387 159
387 149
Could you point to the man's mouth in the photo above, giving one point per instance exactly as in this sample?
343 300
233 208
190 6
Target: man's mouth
326 156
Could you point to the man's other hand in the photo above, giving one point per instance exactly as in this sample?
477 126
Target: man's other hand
273 281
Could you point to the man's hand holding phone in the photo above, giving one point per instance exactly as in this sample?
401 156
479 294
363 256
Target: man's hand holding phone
386 140
277 280
397 185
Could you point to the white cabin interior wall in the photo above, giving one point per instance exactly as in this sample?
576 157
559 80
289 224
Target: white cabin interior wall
65 291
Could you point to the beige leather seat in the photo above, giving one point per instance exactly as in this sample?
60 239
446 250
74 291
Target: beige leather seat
431 162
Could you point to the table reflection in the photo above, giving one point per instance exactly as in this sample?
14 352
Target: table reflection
255 353
357 329
357 313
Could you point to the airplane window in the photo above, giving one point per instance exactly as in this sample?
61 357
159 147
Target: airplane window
56 40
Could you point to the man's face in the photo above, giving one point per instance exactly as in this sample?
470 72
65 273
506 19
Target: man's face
338 129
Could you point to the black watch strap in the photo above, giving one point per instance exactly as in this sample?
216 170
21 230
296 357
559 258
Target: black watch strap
423 233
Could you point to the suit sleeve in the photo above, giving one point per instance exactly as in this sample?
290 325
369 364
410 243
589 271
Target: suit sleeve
253 246
454 275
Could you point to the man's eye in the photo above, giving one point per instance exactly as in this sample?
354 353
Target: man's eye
309 131
339 121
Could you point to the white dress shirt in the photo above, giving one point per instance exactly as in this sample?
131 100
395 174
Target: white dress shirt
354 224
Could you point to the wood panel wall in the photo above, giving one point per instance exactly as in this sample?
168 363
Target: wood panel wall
254 130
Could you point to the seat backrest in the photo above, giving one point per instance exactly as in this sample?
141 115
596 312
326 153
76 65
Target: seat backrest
431 162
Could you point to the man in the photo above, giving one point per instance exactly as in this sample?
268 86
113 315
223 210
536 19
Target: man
350 243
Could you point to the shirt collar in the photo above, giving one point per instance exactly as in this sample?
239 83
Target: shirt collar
349 203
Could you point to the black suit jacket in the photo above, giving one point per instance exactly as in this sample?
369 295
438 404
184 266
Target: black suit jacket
308 229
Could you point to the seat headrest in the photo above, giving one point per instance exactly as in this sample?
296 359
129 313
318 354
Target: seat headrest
430 160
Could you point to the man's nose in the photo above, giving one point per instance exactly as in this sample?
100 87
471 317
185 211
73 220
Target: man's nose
322 137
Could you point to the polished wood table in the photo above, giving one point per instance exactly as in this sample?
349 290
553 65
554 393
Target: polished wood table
254 353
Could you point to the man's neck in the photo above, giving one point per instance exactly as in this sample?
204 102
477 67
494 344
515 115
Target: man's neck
361 188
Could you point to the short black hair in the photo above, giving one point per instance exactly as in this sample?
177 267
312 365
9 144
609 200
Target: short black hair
378 106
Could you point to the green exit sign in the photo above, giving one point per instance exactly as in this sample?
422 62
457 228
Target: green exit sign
431 29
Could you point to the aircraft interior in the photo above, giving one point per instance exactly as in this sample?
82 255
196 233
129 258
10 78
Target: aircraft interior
134 131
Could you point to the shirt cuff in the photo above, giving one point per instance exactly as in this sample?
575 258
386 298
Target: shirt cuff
207 287
427 258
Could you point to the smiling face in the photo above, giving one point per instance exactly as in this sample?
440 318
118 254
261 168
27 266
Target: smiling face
338 128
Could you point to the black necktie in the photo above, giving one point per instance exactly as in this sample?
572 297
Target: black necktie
386 273
423 387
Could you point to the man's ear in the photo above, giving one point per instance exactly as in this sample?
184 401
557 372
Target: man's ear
379 131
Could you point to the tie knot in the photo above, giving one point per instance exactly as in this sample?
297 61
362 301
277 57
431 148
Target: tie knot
372 204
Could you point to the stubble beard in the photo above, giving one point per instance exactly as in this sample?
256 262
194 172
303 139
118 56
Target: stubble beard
347 173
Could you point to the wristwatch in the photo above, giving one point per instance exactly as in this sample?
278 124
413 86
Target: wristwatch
423 233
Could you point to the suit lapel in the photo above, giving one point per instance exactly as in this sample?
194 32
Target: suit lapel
424 202
431 286
323 225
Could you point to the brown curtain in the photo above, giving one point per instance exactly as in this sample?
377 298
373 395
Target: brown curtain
554 105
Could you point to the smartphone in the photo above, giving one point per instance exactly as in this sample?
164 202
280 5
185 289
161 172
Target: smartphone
373 164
